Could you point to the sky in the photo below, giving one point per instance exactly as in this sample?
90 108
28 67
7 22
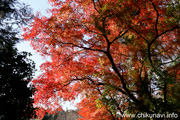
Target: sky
39 6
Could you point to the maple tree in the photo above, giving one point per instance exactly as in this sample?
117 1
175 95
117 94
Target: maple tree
121 56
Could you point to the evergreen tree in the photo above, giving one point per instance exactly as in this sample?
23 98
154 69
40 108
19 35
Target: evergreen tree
16 70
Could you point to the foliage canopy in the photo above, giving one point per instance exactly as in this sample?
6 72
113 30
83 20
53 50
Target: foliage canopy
121 56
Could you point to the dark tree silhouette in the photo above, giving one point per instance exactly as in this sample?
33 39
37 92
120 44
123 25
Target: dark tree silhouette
15 96
16 70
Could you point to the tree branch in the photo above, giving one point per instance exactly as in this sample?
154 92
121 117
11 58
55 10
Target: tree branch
86 48
157 17
149 45
95 6
119 36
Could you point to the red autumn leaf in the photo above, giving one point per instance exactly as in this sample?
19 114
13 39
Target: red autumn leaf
120 52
